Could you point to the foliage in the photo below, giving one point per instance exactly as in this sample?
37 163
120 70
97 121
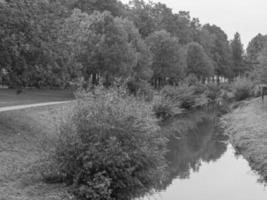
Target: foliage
165 107
254 49
107 45
218 49
110 147
183 95
174 101
198 62
239 66
166 60
152 17
50 43
115 7
242 88
31 52
141 89
261 70
213 91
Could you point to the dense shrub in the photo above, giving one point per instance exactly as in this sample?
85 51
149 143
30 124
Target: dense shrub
174 100
110 147
140 88
184 95
256 91
242 88
165 108
213 91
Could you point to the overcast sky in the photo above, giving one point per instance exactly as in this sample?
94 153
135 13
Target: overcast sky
248 17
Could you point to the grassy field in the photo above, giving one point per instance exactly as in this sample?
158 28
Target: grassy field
25 136
9 97
247 127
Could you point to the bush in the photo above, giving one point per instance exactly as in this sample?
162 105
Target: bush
213 91
140 88
165 108
110 147
184 95
242 89
256 91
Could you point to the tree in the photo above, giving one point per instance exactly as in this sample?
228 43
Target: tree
260 72
28 42
218 49
142 16
254 49
237 55
107 46
115 7
167 62
198 62
150 17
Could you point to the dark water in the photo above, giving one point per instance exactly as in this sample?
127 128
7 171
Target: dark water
203 166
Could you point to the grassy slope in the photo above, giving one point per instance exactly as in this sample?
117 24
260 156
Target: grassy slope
247 127
24 136
9 97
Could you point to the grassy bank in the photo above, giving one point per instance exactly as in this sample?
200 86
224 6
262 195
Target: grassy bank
247 128
24 137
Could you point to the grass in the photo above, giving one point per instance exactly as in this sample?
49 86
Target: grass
24 137
248 133
9 97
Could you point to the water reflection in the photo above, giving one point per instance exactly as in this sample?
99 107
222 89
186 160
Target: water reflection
203 165
187 151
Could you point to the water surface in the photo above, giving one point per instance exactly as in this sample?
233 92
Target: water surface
204 166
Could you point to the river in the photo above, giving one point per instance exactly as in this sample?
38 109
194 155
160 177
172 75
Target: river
202 165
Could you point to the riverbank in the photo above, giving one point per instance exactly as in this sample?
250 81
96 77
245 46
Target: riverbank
25 135
247 128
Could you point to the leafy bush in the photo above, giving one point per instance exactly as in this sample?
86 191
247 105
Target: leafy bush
184 95
141 88
165 108
213 91
175 100
242 88
110 147
256 91
191 79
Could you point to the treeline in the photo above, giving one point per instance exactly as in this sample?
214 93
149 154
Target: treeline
54 42
257 58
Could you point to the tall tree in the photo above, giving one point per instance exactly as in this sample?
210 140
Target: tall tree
167 62
115 7
218 49
260 73
150 17
142 16
198 62
29 31
237 55
254 49
106 45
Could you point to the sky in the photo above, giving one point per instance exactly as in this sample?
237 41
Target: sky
248 17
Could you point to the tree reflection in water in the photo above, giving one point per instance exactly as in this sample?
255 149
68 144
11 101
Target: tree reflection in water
191 145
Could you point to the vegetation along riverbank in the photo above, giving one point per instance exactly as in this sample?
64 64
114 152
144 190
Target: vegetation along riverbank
144 77
247 129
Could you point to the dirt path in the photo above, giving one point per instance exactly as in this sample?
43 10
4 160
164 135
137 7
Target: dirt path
247 127
19 107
